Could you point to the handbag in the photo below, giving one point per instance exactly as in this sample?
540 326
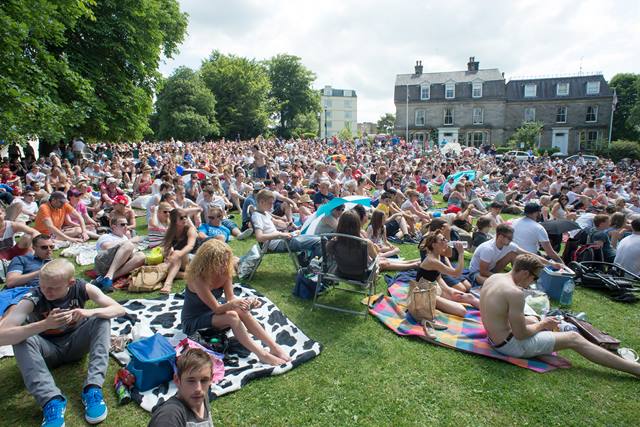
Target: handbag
421 304
148 278
593 334
213 339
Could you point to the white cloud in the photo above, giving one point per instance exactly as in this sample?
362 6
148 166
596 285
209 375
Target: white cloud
362 45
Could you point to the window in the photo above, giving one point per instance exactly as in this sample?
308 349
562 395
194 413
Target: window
592 114
420 118
448 116
347 93
425 92
530 90
327 114
562 89
529 114
328 91
593 88
478 139
328 103
589 140
561 115
478 116
476 90
348 115
450 90
347 104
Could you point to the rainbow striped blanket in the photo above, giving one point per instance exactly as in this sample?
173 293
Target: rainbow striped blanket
466 334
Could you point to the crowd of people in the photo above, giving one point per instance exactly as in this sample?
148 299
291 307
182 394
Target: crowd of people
198 196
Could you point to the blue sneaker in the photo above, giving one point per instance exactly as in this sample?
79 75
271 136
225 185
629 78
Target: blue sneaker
104 283
95 410
53 413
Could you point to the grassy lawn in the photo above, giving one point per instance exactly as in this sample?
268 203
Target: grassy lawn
368 375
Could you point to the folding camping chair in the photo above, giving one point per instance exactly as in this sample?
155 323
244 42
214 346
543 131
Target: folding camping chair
345 260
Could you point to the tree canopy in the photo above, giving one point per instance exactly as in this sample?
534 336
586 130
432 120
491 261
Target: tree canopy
241 89
385 122
291 92
626 118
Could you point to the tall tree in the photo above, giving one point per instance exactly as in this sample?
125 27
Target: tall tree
241 88
385 122
626 124
305 125
40 92
119 53
291 91
186 107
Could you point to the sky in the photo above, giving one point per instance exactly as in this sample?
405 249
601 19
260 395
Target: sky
363 45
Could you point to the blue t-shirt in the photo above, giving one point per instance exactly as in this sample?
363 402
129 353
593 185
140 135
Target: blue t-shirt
212 231
25 264
319 198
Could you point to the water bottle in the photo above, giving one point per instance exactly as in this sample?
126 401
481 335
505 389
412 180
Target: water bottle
567 327
122 393
567 293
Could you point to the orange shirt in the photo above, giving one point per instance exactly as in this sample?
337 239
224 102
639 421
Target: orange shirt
57 216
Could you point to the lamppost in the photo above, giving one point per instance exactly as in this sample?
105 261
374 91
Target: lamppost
406 133
325 122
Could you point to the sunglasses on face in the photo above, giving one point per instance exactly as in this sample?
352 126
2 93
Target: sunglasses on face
47 247
122 224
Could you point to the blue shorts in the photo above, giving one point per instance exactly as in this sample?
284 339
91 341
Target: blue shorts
261 172
471 277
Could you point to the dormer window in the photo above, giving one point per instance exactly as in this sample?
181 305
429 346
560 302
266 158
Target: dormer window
593 88
530 90
476 90
425 91
562 89
450 90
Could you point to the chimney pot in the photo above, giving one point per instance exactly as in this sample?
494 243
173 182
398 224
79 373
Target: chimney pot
473 65
418 68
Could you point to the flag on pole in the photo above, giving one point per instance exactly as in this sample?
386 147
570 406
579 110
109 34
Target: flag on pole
614 101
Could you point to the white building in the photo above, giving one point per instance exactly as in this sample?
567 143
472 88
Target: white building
339 111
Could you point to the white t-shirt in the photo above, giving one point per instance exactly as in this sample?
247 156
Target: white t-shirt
263 221
489 253
109 238
528 234
628 253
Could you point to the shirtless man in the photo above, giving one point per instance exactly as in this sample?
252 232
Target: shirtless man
260 163
513 334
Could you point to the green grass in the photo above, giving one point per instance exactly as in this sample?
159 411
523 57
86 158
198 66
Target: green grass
367 375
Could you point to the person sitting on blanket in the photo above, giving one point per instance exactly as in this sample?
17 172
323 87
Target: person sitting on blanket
494 255
179 245
435 265
50 327
209 273
190 405
502 302
117 254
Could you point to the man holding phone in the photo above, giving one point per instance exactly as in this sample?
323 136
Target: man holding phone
50 327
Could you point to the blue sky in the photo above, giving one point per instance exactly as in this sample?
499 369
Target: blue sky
362 45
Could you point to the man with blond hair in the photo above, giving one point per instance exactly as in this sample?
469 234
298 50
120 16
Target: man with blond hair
50 327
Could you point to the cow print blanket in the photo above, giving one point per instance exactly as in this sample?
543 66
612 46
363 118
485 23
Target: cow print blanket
163 316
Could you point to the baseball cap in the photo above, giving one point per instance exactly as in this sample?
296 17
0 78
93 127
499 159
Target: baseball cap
120 199
530 208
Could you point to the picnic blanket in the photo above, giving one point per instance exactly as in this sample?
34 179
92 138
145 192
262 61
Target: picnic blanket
83 253
466 334
162 315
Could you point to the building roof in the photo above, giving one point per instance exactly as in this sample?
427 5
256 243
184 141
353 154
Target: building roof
339 92
453 76
546 87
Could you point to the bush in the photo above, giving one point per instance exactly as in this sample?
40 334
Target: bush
622 149
551 150
503 150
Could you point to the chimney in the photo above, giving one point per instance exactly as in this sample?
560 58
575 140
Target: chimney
418 68
473 65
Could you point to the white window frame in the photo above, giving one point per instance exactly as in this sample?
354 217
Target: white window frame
528 89
346 92
425 87
444 116
595 114
422 113
474 86
528 109
449 87
482 139
481 116
595 88
562 93
565 114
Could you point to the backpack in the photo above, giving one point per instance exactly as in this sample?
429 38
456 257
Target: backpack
148 278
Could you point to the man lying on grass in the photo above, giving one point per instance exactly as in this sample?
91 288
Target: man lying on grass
60 330
190 405
513 334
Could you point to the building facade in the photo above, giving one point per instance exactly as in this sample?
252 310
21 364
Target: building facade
339 111
476 107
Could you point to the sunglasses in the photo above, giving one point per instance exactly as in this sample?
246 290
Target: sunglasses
49 247
123 224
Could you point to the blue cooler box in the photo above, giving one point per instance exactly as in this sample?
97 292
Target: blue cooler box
552 281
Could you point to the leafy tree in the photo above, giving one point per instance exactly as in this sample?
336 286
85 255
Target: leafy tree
623 149
385 122
40 92
186 107
241 89
526 136
345 134
626 118
305 125
119 53
291 91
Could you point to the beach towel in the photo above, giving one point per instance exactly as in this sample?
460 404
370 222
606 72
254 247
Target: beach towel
466 334
162 315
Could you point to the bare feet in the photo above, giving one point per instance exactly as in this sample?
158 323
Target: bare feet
166 289
280 353
270 359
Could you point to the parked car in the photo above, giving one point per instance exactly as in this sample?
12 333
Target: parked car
587 158
521 156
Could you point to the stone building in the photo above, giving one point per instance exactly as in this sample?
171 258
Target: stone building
476 106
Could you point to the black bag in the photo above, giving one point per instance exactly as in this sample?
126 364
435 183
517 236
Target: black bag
306 283
213 339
